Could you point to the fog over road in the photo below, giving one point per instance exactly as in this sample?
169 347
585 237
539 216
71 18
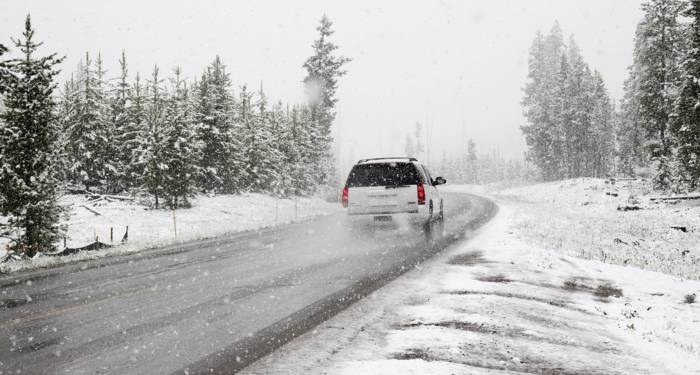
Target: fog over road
208 305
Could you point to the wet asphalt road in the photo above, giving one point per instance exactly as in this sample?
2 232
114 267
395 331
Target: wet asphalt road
210 306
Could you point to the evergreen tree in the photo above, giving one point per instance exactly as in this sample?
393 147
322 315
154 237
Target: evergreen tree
132 136
251 139
686 122
282 144
472 169
323 69
602 148
543 106
202 116
67 110
658 56
123 135
577 128
151 149
213 114
111 170
630 133
28 136
88 134
181 150
267 166
569 129
560 149
268 157
301 153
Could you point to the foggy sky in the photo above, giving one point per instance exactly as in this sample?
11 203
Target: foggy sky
458 67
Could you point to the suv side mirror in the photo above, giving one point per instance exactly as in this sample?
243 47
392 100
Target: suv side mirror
439 181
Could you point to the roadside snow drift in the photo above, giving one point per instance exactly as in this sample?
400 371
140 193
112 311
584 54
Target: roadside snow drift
209 216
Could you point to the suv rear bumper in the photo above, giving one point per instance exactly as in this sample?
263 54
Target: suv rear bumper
410 218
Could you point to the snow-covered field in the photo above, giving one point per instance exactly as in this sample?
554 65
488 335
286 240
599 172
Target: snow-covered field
210 216
504 303
580 217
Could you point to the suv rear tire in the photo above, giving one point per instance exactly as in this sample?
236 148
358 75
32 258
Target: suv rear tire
428 225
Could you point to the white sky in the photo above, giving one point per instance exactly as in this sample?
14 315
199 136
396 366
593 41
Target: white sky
456 66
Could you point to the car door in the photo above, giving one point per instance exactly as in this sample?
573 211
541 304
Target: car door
434 192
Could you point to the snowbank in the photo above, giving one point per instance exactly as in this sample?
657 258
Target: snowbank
209 216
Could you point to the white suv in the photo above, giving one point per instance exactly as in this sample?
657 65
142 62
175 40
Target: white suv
393 189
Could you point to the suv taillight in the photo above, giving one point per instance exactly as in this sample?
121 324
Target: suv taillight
421 194
346 197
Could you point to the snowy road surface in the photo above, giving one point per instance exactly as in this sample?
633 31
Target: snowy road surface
214 304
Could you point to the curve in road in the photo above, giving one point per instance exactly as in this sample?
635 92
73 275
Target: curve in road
207 306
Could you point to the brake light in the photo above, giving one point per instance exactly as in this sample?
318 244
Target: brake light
346 197
421 194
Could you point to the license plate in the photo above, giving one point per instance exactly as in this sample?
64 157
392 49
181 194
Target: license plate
382 218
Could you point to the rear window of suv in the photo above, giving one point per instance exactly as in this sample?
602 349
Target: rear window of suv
383 174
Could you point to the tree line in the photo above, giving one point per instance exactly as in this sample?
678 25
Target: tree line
573 129
659 117
569 113
169 137
472 167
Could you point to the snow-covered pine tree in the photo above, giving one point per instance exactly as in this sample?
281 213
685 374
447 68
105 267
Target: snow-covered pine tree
601 153
533 108
181 149
88 132
202 116
289 147
569 130
151 155
280 142
134 133
109 153
213 113
630 134
323 69
271 155
577 131
66 115
562 117
542 104
557 71
472 168
251 155
301 150
119 106
28 182
658 57
686 121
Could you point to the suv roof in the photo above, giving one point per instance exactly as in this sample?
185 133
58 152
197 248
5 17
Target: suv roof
387 159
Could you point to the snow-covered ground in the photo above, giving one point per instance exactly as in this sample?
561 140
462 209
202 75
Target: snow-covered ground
580 217
210 216
502 303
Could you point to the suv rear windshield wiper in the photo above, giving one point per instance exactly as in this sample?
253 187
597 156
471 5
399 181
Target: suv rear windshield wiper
395 186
